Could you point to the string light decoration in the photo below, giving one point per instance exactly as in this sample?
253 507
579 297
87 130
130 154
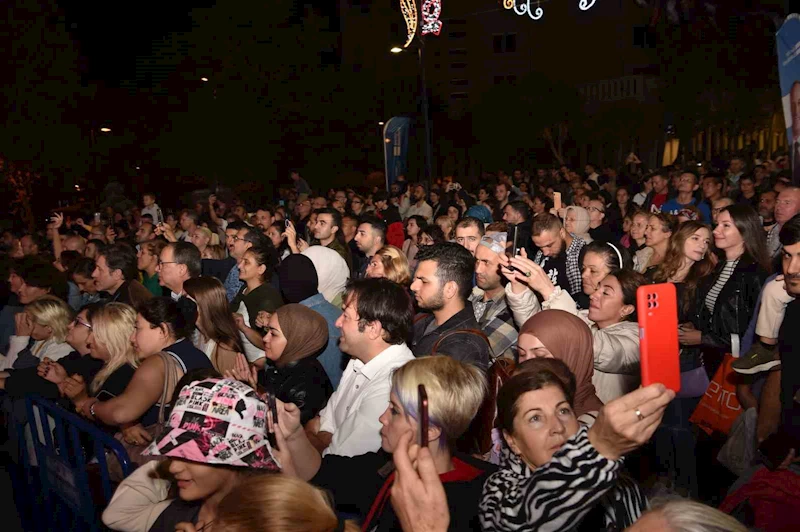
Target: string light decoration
409 9
524 8
431 9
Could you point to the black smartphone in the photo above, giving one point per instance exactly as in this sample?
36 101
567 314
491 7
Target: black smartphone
287 222
775 449
272 404
512 251
422 408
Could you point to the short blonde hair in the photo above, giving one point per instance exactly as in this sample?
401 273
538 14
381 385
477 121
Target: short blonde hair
213 238
395 265
113 325
278 503
684 515
455 392
450 224
50 311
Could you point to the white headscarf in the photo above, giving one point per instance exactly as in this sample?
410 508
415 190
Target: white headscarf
332 271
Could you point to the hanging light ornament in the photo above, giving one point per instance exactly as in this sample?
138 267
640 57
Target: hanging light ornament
409 9
431 9
524 8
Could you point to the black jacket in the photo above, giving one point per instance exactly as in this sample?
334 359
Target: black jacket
302 382
733 310
468 348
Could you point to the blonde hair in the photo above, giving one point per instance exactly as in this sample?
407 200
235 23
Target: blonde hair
683 515
450 224
213 238
215 251
455 392
278 503
395 265
113 325
50 311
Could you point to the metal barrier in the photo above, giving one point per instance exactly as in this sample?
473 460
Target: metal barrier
68 481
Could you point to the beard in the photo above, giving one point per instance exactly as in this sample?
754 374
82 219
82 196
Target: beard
434 303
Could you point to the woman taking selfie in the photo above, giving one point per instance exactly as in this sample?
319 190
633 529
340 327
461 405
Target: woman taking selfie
455 392
295 336
611 317
219 337
560 475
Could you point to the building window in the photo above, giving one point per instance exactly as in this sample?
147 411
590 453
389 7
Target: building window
459 82
504 43
458 51
499 80
457 34
459 95
458 66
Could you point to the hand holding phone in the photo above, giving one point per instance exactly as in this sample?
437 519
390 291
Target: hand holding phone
659 351
422 409
272 404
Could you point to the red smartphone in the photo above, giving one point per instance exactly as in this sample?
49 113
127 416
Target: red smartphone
657 306
422 409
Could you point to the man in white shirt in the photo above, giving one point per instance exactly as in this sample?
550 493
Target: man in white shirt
419 207
374 324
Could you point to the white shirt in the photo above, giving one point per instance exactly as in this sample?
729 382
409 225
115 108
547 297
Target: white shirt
352 412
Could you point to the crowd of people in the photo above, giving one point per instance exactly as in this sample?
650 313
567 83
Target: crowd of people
263 362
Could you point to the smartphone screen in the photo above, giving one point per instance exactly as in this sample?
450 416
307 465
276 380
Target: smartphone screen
273 407
423 416
512 250
557 200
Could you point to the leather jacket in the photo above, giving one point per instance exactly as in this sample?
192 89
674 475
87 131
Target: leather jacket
723 329
302 382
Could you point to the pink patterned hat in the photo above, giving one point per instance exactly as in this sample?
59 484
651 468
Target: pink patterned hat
217 422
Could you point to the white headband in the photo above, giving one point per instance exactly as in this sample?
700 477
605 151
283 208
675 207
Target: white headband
619 255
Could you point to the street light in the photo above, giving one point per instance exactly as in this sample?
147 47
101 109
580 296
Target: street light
105 130
380 123
420 45
203 79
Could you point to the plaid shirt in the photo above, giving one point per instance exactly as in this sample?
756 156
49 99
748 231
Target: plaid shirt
573 266
496 321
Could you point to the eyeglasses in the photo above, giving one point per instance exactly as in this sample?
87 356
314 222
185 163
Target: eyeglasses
595 209
236 238
78 321
161 263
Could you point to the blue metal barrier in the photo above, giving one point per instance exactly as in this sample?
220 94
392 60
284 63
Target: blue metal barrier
74 483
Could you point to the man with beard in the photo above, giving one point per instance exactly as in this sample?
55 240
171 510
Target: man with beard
328 232
420 206
442 285
264 218
559 253
488 298
766 208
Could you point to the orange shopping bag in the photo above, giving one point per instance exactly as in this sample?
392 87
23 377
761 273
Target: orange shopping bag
719 407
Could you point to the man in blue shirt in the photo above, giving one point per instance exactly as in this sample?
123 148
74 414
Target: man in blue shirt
687 186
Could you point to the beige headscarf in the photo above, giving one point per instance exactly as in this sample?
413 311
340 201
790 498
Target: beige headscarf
581 223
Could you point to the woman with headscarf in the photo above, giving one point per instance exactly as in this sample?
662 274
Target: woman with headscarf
564 336
576 223
298 281
295 335
332 272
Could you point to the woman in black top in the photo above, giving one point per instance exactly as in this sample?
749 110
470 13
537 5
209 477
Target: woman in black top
295 336
109 342
361 484
161 325
726 300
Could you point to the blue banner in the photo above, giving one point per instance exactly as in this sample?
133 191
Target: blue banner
788 38
395 148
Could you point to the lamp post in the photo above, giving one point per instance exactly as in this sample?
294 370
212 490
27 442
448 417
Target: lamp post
420 42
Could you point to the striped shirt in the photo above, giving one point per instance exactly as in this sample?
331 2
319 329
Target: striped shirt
719 284
559 494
